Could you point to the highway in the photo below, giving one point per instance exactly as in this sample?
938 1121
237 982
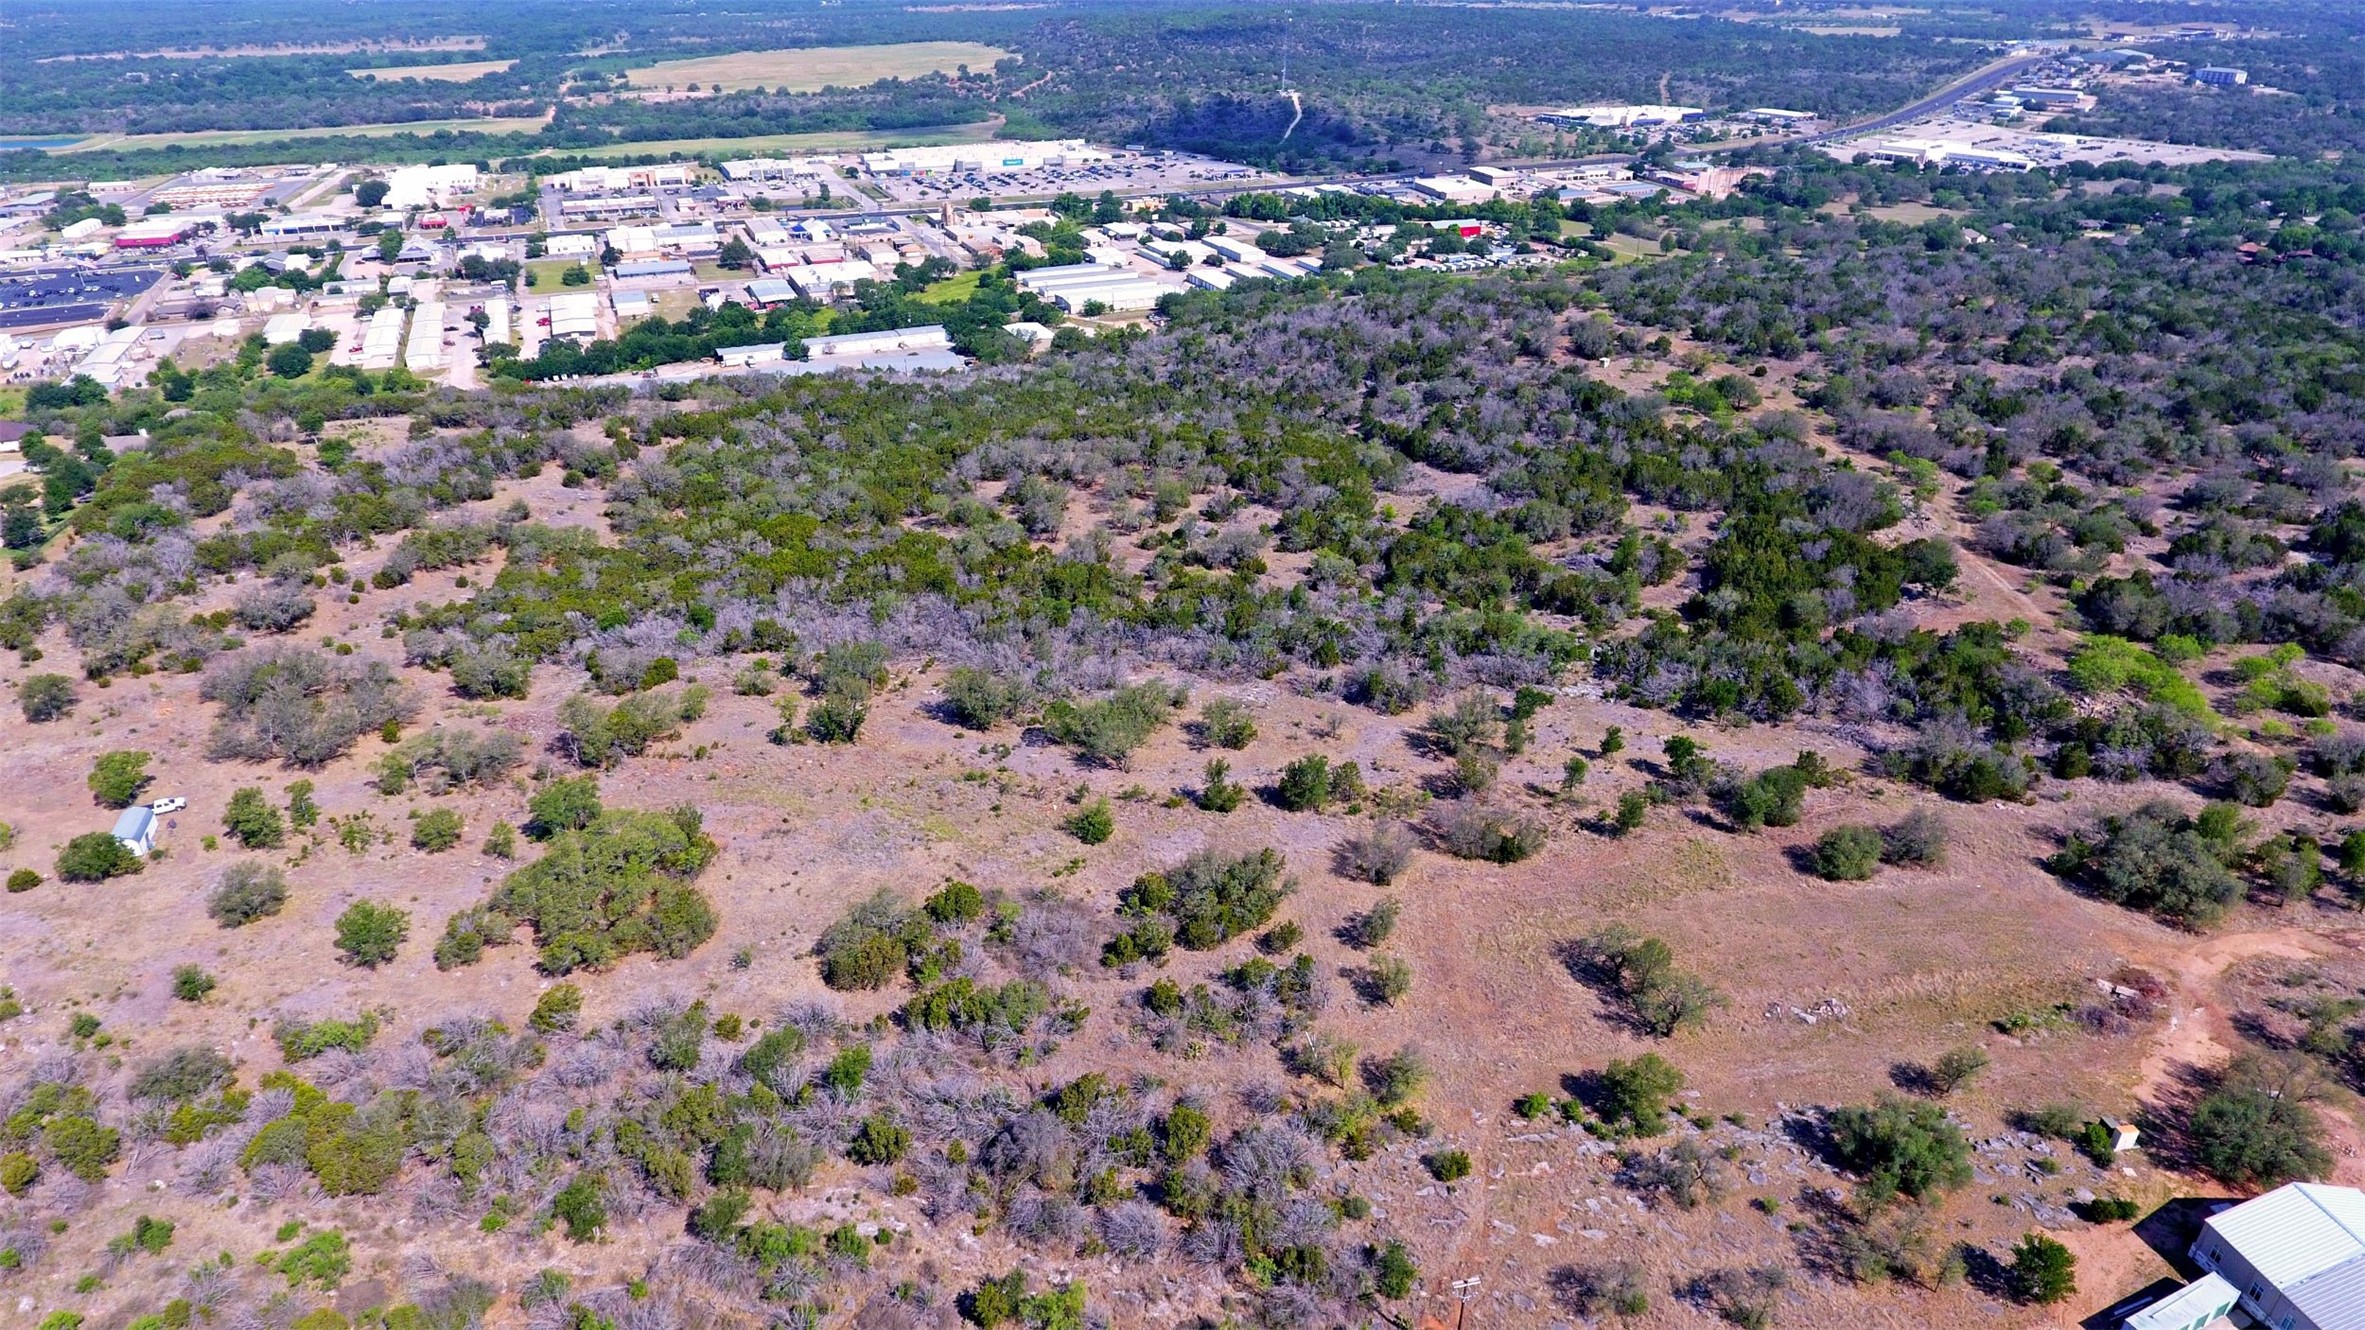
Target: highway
1986 80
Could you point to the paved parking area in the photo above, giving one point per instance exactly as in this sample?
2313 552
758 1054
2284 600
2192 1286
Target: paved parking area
1127 172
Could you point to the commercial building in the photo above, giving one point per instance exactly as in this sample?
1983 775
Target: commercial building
776 168
825 281
1773 115
381 341
575 314
619 179
429 186
496 329
981 158
654 268
1455 189
929 337
305 224
632 304
2221 76
1622 117
280 329
571 246
88 226
621 205
424 350
2053 99
770 291
155 233
747 357
2293 1259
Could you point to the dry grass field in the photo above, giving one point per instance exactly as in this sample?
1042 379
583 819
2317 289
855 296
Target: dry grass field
463 72
470 125
808 69
1832 992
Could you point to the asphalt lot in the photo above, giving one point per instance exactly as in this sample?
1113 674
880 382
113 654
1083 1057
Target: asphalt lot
47 296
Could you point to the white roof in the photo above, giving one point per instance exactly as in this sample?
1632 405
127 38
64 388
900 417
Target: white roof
2295 1232
2201 1300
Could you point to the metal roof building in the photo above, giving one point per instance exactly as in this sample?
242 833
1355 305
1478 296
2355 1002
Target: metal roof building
2295 1256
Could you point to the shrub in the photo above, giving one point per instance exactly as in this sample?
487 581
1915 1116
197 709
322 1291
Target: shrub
1640 972
1918 840
1372 927
1212 897
1635 1093
1448 1165
95 856
772 1058
248 891
501 841
871 944
1093 823
838 717
1772 798
1956 1068
619 885
557 1010
301 1040
181 1075
955 903
603 736
321 1260
1393 1273
436 831
1633 807
190 983
443 758
1386 980
1848 853
1108 730
879 1140
1900 1148
46 697
23 880
18 1172
1218 792
1470 830
2255 779
298 705
1227 724
81 1146
1377 854
2043 1271
252 821
117 778
369 933
1304 786
1396 1078
565 804
981 699
2157 860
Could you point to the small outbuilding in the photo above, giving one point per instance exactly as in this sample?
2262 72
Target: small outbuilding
137 829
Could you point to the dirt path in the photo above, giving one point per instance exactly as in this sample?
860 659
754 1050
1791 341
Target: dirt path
2112 1260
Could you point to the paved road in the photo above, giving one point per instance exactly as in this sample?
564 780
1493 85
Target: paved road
1988 79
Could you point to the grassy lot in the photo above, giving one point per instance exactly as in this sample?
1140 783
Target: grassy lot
550 275
809 69
463 72
218 138
853 140
952 290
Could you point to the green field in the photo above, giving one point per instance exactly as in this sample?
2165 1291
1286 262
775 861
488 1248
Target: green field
229 137
812 68
852 140
954 290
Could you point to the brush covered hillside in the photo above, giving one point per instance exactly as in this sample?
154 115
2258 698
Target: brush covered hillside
1676 789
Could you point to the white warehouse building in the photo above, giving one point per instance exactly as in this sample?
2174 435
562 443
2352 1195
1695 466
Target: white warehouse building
981 158
2293 1259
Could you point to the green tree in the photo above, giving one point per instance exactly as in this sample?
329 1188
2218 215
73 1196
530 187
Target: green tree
289 361
2254 1127
252 821
562 805
117 778
436 830
46 697
370 934
95 856
370 193
2043 1271
1636 1092
1901 1148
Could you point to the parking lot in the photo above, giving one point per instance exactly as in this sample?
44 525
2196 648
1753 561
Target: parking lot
1126 172
51 296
